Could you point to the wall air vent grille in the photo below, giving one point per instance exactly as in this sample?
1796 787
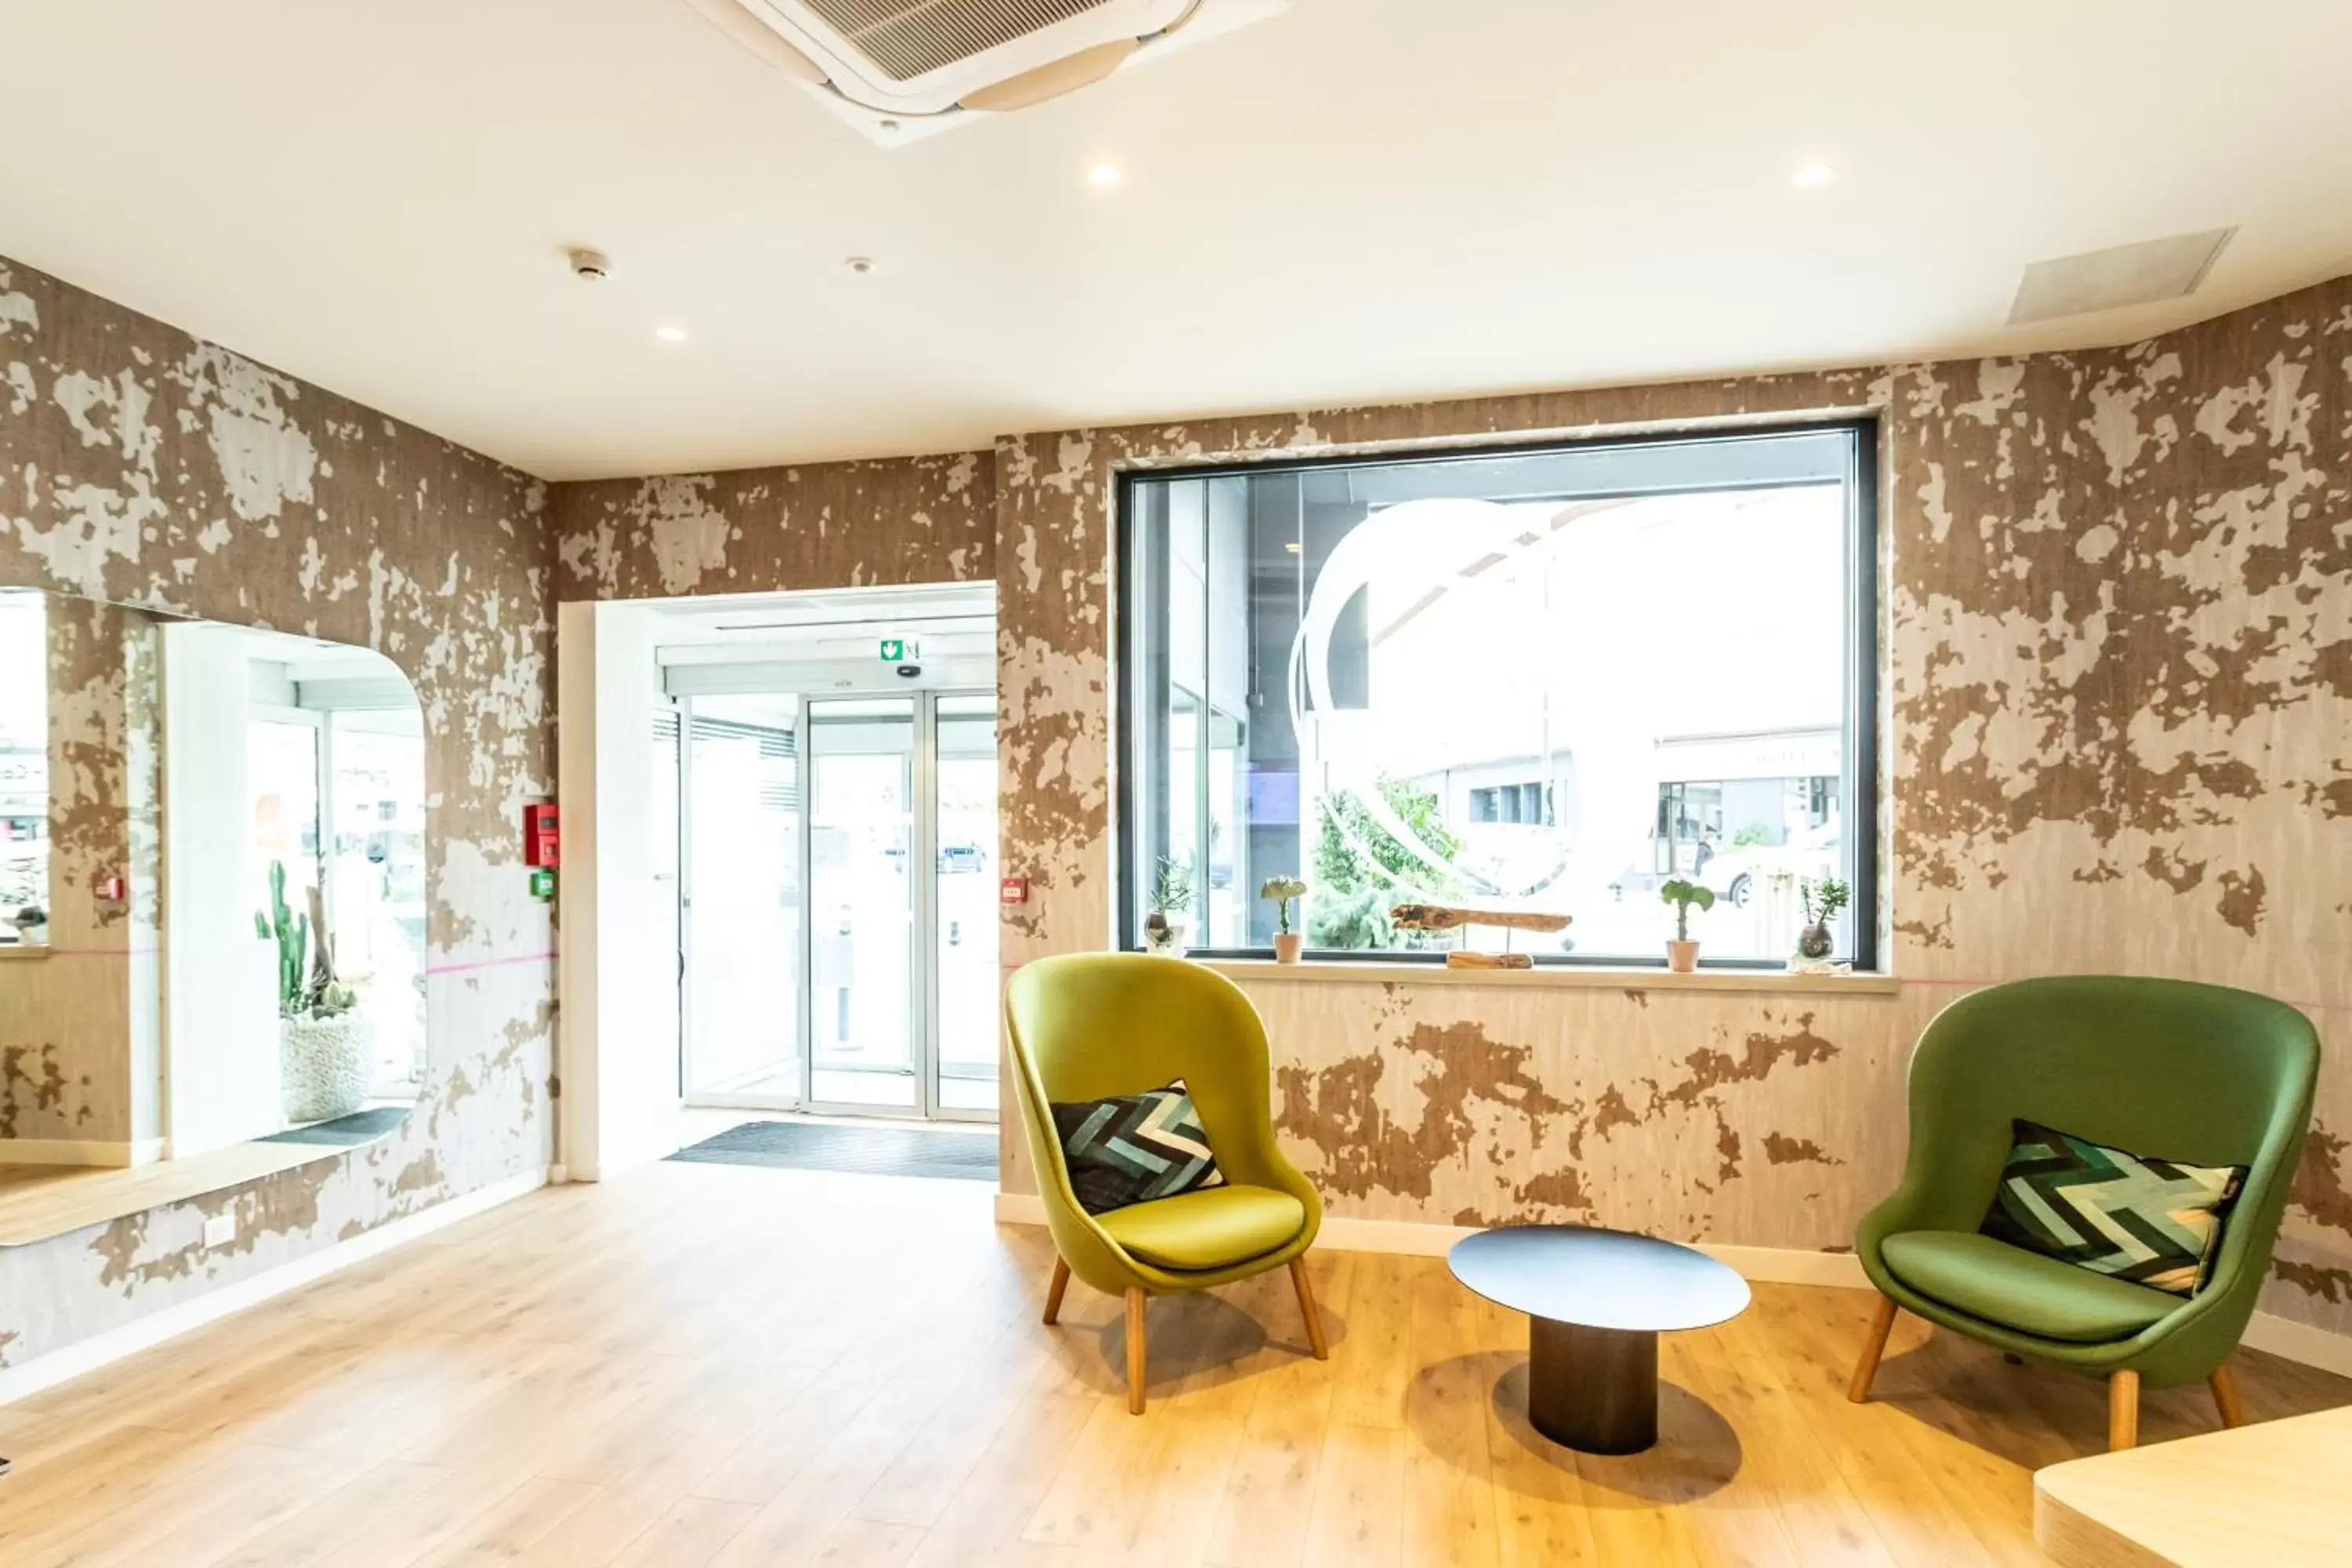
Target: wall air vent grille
908 40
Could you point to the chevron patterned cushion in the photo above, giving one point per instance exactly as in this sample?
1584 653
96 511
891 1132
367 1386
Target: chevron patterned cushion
2153 1222
1133 1148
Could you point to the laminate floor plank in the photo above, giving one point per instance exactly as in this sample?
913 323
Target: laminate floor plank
706 1366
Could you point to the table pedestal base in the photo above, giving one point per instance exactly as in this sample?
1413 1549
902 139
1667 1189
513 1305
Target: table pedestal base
1594 1390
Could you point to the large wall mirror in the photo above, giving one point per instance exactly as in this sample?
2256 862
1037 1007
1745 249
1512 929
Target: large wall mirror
212 907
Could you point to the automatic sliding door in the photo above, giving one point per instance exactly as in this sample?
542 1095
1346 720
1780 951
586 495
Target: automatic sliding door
873 987
742 912
964 942
862 845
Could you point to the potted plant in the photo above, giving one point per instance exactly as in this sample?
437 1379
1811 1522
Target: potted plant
1172 895
1682 952
32 923
1821 902
1282 891
322 1036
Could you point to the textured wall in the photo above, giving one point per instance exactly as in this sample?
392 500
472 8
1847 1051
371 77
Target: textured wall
142 467
79 1029
825 525
2119 629
2119 638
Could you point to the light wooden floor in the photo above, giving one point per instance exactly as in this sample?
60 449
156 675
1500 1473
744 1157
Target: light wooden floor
702 1364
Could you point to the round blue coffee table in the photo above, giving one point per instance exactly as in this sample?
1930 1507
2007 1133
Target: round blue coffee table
1596 1302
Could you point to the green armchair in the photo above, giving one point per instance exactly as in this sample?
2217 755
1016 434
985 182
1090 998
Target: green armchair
2163 1067
1088 1026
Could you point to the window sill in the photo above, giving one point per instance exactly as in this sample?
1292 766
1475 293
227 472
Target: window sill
1574 977
24 949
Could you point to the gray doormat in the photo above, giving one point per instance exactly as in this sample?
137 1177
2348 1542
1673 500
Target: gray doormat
870 1151
359 1127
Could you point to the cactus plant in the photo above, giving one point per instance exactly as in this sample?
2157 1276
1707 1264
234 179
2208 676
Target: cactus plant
1686 896
292 934
1281 891
306 985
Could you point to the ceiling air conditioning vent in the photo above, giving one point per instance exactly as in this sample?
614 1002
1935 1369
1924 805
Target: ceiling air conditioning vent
904 41
900 70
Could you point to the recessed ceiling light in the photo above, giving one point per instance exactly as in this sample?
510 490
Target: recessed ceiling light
1105 175
1813 174
670 334
861 264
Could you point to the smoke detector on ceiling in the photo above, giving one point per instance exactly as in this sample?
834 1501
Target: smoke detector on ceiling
903 70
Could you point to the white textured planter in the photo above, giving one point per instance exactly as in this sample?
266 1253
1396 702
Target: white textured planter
323 1065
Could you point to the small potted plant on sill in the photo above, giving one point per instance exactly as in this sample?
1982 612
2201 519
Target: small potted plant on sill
1821 902
32 923
1282 891
1682 952
1172 895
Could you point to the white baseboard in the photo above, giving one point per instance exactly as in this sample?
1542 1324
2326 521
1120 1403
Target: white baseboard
105 1154
2300 1341
1764 1265
88 1355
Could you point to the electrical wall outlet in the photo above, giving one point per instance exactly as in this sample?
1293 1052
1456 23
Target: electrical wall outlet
220 1229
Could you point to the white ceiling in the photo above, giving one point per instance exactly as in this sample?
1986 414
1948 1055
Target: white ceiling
1364 200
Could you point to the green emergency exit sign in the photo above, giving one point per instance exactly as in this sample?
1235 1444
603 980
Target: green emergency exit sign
899 650
542 883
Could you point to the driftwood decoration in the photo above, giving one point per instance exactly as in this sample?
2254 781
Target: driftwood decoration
1451 917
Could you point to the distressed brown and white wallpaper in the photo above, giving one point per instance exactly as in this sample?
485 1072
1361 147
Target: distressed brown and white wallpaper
2118 636
890 522
143 468
2118 709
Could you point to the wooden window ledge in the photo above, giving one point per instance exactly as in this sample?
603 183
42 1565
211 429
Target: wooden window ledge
1567 976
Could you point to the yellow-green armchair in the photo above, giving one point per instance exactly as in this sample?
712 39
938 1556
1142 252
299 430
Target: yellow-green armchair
1089 1025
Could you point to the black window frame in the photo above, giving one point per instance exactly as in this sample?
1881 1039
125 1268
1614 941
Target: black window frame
1864 603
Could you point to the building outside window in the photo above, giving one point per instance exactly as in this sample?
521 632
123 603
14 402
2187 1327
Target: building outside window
1547 680
24 768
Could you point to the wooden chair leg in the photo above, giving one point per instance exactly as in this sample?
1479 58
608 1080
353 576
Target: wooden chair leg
2224 1384
1053 1292
1307 1310
1135 1349
1874 1345
2123 1411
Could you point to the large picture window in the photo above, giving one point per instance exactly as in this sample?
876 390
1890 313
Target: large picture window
1549 679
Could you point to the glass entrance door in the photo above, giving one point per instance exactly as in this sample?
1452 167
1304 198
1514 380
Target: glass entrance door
740 906
862 865
964 938
868 986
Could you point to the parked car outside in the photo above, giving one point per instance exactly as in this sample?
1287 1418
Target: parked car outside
1732 875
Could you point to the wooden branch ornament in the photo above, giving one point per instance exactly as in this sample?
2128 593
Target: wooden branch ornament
1448 917
1451 917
